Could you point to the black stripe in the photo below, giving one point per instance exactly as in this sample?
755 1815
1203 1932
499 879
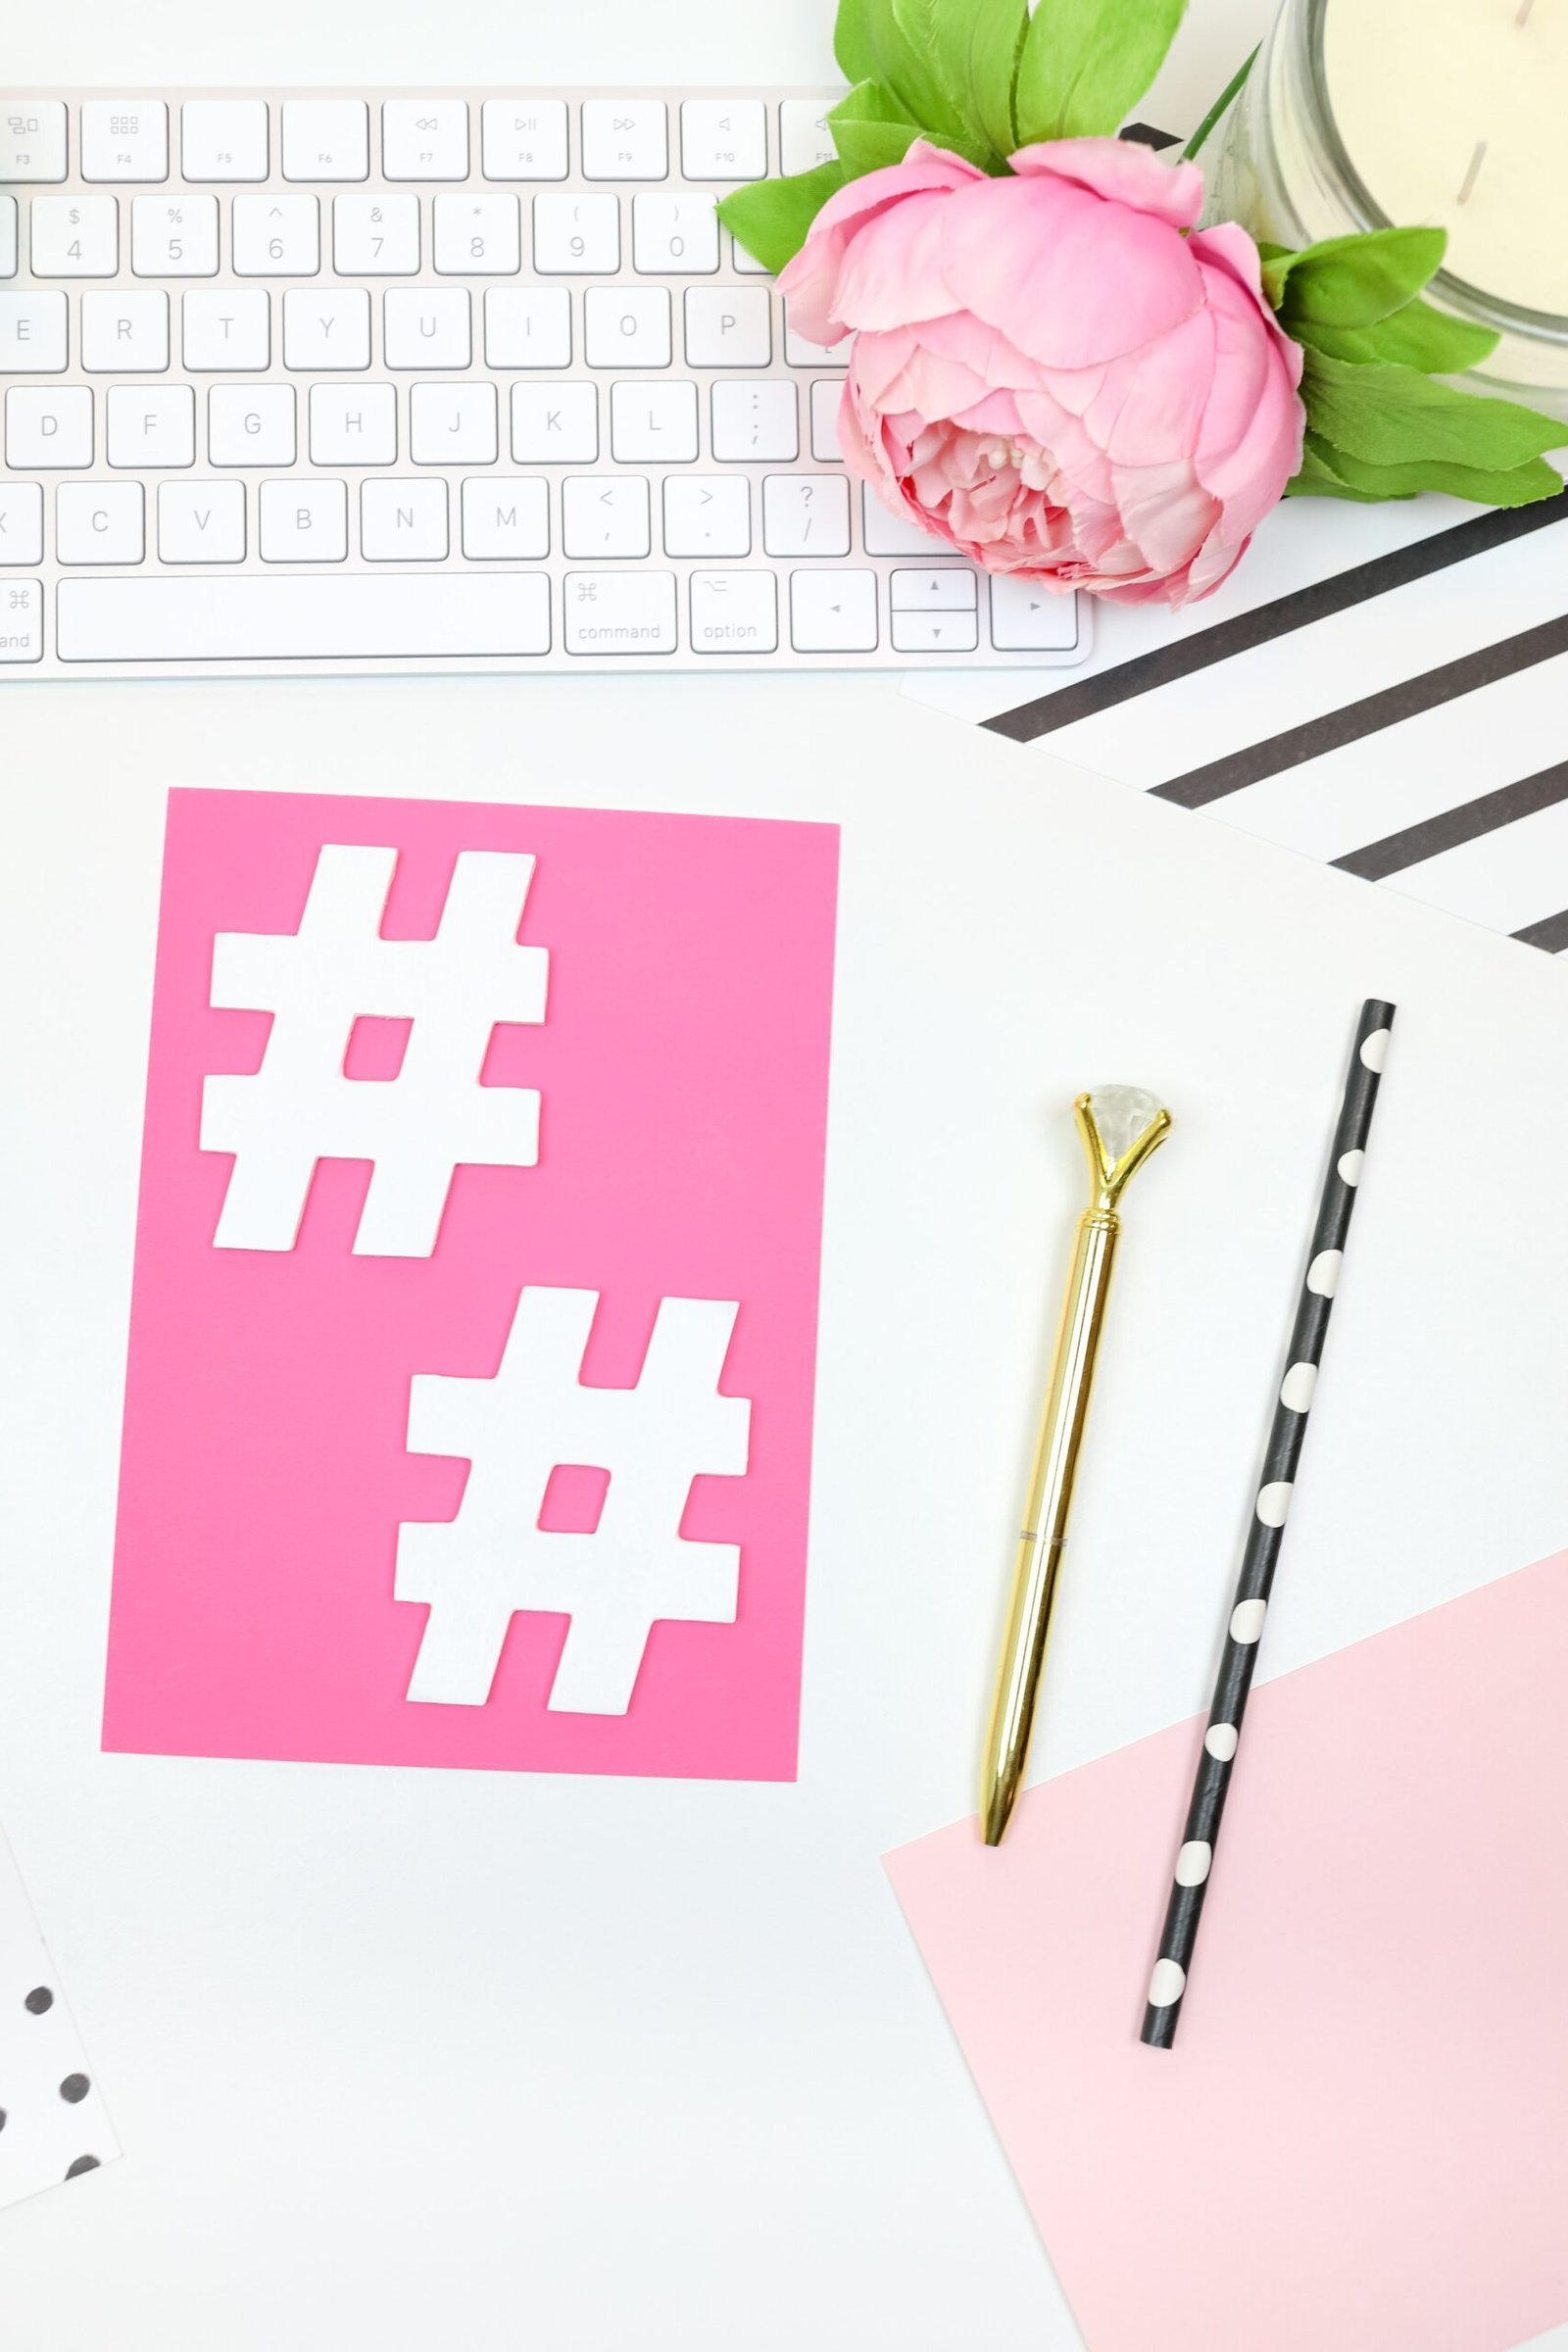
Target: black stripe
1144 134
1319 602
1397 851
1550 934
1334 728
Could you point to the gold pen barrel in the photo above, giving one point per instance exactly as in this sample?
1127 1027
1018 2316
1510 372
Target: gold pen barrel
1120 1127
1044 1525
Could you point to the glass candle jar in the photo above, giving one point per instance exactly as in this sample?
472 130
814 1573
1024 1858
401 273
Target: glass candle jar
1359 114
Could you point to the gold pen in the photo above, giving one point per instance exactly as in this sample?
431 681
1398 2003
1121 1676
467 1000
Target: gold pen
1121 1125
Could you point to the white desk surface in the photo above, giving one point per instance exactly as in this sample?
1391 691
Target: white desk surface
404 2058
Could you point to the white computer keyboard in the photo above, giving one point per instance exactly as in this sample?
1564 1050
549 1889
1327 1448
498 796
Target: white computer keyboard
365 381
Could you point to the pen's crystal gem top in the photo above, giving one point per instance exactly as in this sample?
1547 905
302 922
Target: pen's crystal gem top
1121 1113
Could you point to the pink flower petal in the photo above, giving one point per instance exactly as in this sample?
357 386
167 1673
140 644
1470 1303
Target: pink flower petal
810 280
1151 403
1251 439
1121 170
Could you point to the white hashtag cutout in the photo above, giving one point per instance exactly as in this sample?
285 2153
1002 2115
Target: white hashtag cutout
299 1106
635 1568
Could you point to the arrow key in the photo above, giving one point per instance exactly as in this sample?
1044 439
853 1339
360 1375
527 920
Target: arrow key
949 590
1027 618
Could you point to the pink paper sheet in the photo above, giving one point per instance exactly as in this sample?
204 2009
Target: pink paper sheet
1360 2141
682 1068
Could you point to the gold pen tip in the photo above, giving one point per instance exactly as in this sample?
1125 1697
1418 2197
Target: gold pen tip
994 1820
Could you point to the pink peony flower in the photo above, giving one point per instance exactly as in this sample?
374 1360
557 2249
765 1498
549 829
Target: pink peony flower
1047 374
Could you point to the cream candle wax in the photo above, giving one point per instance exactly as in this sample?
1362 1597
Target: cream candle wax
1446 113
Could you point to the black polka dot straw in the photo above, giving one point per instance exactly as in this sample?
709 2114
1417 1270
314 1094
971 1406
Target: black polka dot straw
1266 1532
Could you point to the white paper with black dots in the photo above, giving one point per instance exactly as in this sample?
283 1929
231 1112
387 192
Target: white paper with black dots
54 2125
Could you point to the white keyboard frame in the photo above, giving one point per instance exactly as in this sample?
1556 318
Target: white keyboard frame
932 553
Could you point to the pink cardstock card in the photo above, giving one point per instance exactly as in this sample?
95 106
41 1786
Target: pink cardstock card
1360 2140
469 1402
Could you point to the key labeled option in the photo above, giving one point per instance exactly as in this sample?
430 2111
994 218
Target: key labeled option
200 523
20 620
619 613
734 613
506 520
833 612
99 522
125 138
20 525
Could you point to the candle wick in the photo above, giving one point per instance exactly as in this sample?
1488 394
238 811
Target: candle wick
1474 171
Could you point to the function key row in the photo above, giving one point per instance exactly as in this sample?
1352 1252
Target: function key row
129 139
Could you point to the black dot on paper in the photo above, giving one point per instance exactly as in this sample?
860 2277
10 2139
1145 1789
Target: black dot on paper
39 1999
84 2164
73 2088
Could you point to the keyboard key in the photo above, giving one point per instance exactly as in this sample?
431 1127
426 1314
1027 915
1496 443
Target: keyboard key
174 236
21 528
151 425
226 328
577 235
200 523
935 633
250 424
404 521
354 424
674 237
708 514
48 429
619 611
424 138
33 139
826 401
75 236
945 588
555 425
278 236
326 138
888 534
20 620
125 138
453 424
1028 618
524 138
605 515
723 138
506 520
734 613
477 236
747 264
305 521
375 236
428 326
804 137
125 332
833 612
224 139
728 326
806 514
802 352
8 236
99 522
342 617
626 326
33 335
327 326
625 138
653 425
527 326
756 423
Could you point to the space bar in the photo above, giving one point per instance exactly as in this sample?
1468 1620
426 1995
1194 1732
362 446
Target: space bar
295 617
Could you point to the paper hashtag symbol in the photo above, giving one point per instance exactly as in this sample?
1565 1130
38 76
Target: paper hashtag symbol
635 1568
416 1128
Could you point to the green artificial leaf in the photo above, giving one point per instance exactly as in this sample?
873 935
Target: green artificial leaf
1355 280
1391 416
1084 66
770 216
995 31
870 128
1518 486
852 45
919 53
1319 478
1416 337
